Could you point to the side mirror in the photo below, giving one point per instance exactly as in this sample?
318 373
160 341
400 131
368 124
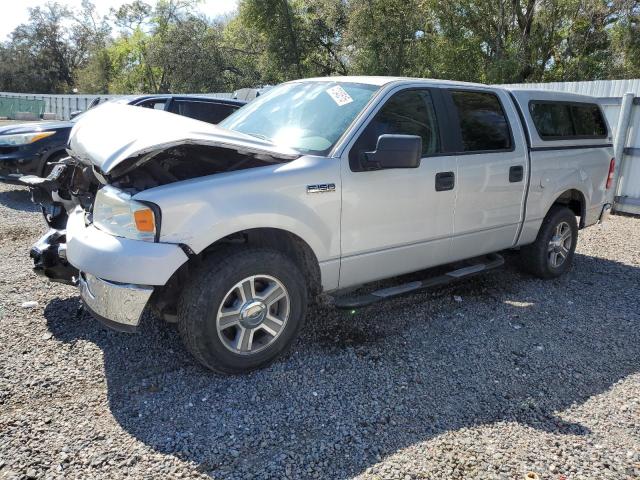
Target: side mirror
395 151
73 115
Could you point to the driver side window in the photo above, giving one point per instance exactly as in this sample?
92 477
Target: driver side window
409 112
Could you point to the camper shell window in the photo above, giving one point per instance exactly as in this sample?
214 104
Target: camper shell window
567 120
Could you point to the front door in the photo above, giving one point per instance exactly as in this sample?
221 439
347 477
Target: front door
396 221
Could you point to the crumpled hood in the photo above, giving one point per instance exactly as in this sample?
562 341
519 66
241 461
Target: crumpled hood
34 127
111 133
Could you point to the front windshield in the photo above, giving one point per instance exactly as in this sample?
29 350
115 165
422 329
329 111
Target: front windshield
308 116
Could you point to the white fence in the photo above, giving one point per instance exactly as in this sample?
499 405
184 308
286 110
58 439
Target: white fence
63 105
621 102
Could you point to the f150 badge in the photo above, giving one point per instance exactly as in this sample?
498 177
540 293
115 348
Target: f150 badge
321 188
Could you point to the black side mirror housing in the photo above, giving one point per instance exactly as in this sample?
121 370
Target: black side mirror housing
395 151
74 114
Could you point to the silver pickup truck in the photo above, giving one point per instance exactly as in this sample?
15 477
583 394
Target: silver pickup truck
321 185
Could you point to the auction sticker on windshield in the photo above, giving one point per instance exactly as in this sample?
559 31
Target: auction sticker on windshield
339 95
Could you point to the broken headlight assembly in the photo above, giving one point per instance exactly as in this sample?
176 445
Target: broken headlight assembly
116 213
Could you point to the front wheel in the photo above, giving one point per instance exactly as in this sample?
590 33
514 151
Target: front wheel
242 309
552 253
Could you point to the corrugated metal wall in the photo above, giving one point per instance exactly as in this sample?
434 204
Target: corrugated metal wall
596 88
610 94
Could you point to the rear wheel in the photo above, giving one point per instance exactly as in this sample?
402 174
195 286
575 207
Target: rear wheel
552 253
242 309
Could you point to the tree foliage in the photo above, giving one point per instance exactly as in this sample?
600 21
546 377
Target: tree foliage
168 46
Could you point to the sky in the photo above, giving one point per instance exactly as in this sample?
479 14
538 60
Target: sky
15 12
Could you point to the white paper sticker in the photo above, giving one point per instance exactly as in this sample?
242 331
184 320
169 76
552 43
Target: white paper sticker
339 95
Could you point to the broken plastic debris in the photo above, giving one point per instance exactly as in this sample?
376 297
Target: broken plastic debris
29 304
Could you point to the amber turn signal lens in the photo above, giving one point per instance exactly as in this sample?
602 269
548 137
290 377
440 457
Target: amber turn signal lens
145 221
40 136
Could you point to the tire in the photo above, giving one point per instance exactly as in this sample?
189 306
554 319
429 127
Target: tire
213 299
544 257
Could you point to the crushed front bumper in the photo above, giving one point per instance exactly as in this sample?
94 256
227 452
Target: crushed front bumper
116 275
118 306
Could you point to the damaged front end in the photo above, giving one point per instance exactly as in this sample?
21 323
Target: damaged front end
141 149
68 185
49 256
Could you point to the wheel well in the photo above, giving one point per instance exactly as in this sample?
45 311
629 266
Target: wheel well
165 298
58 153
285 242
574 201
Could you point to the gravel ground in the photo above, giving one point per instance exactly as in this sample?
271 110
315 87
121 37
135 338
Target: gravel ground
492 378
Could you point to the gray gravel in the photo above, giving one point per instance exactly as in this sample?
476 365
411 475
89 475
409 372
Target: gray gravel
492 378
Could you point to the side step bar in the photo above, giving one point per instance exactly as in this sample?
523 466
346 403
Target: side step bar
481 265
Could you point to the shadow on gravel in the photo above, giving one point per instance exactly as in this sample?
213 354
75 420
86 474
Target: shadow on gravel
359 387
18 199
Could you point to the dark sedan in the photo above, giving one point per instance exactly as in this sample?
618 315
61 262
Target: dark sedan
33 148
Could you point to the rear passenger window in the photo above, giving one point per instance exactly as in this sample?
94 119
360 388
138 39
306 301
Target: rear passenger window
564 121
483 123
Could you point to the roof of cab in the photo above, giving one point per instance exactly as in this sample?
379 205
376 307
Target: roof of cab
520 93
381 81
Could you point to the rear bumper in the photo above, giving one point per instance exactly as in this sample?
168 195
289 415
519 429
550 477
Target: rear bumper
118 306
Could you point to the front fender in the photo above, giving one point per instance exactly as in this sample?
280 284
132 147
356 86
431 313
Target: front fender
201 211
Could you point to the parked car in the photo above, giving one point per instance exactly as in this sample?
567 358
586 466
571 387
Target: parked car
320 185
33 148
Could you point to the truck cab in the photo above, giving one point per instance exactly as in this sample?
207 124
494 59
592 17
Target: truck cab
318 186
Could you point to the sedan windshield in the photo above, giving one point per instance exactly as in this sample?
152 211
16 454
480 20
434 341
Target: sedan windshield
308 116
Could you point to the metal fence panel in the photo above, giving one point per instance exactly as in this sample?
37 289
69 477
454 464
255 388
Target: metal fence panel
63 105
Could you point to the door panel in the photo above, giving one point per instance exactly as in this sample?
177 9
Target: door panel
492 173
394 221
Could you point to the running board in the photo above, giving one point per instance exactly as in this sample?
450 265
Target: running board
486 263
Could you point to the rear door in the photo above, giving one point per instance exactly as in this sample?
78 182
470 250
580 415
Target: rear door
492 171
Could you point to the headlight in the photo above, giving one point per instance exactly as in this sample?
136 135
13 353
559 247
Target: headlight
114 212
23 138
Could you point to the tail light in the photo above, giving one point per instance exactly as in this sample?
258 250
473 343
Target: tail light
612 169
